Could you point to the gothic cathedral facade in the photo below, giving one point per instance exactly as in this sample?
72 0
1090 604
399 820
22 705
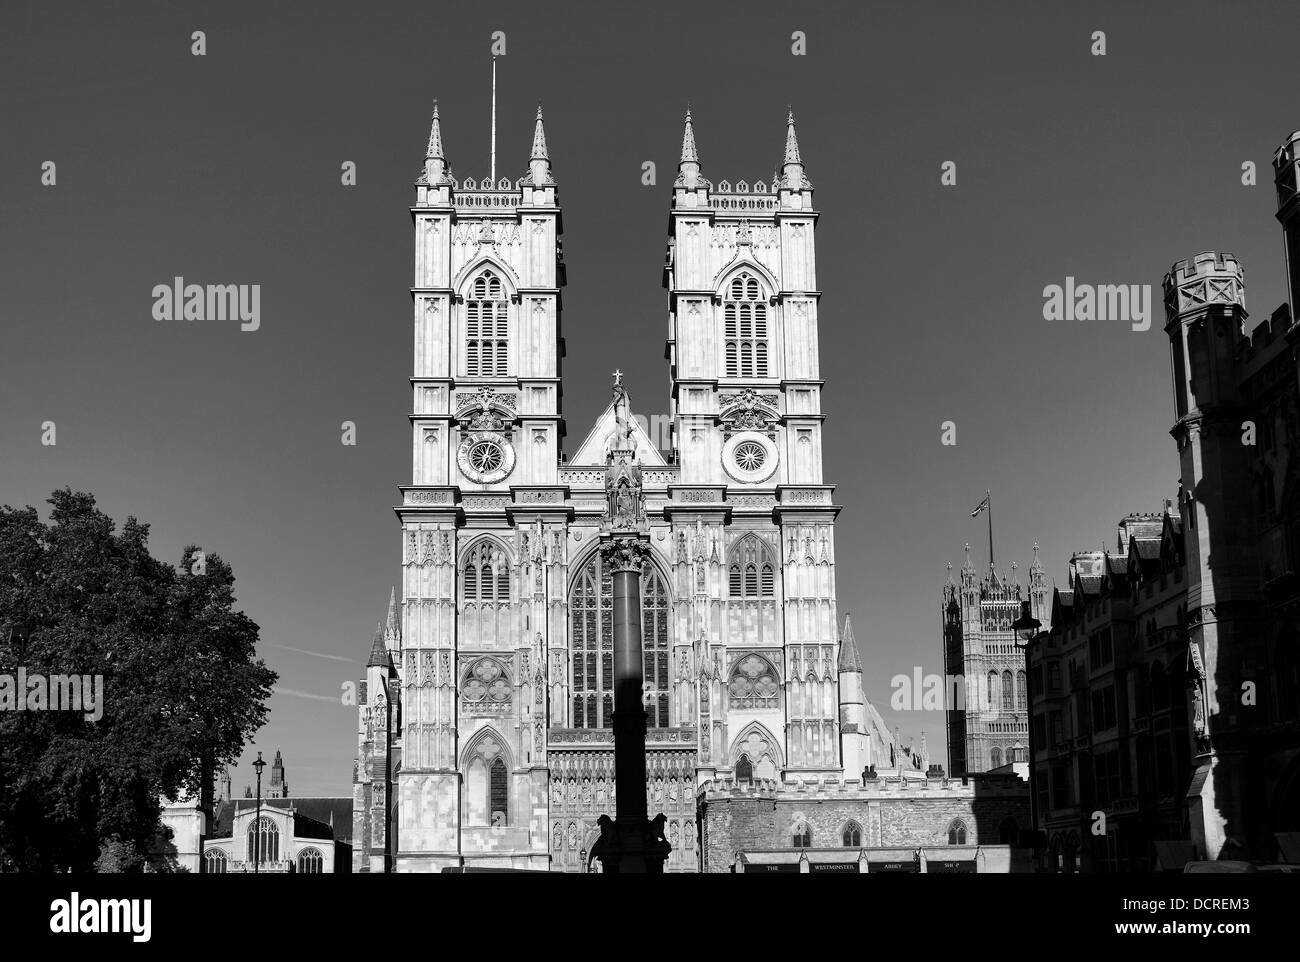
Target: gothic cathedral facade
484 734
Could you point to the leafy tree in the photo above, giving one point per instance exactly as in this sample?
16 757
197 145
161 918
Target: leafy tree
183 690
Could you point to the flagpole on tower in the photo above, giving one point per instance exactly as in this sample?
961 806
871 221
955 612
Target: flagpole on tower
493 160
989 499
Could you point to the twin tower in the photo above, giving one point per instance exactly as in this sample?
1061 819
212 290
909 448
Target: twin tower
484 731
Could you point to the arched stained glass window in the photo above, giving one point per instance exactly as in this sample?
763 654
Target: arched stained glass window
591 640
264 841
852 836
215 861
957 832
498 792
310 862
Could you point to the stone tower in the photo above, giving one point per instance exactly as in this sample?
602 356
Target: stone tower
278 787
1286 176
985 665
378 722
855 742
486 298
746 406
1205 310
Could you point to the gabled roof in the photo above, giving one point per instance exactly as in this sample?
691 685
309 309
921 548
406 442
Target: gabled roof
1062 606
593 449
1087 586
313 815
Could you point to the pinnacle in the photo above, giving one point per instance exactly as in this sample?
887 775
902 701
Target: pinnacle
849 660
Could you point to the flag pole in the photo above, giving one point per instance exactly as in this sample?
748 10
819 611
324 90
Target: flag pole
989 498
493 159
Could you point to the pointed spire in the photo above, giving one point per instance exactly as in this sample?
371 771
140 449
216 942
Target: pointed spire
689 154
791 141
379 656
792 175
688 168
539 164
436 169
539 138
434 151
849 660
393 624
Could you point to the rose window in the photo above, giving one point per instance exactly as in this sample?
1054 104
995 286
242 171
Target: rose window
485 457
750 455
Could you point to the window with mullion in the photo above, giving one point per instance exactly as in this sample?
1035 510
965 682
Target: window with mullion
591 619
487 326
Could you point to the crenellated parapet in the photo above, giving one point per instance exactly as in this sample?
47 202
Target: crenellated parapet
884 785
1196 283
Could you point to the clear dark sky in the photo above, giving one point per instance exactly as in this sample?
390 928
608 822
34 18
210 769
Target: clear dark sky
226 169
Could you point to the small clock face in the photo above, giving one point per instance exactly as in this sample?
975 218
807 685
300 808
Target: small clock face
749 458
485 458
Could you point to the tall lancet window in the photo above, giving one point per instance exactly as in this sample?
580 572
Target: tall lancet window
751 577
485 595
745 329
591 639
487 340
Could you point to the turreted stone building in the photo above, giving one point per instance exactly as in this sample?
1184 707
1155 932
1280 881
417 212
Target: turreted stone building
484 735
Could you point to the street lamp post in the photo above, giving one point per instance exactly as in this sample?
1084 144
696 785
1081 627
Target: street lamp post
257 815
1026 629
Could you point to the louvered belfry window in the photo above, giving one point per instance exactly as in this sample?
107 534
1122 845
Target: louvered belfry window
487 339
745 333
751 575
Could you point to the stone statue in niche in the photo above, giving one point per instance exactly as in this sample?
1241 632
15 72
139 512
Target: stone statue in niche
625 505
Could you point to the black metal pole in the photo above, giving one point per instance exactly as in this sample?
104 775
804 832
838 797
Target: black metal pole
629 711
631 842
1033 762
257 826
257 816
